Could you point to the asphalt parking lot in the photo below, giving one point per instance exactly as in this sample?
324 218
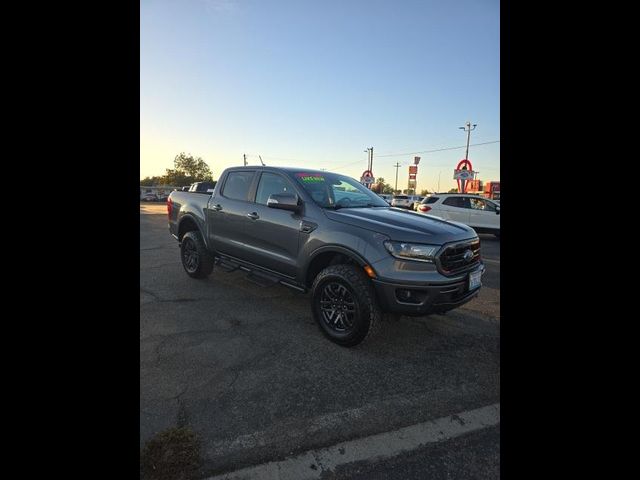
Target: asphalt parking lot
248 370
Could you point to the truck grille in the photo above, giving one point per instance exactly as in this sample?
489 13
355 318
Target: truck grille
451 260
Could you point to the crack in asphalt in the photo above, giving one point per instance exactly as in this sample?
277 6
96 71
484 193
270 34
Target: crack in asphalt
149 292
158 299
160 266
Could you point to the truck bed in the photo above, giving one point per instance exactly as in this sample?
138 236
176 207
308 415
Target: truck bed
180 203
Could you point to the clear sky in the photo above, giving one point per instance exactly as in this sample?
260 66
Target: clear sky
314 83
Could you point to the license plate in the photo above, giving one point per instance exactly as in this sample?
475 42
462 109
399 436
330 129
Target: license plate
475 280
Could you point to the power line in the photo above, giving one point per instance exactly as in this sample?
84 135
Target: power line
437 150
385 155
342 166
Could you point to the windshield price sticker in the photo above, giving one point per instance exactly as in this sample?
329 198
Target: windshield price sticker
310 177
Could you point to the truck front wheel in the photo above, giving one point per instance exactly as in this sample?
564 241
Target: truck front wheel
344 305
196 260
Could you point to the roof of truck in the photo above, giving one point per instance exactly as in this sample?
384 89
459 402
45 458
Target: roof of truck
286 169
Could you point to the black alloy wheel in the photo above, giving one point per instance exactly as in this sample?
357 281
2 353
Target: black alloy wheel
338 306
190 256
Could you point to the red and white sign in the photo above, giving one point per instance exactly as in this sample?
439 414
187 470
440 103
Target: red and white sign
367 177
463 173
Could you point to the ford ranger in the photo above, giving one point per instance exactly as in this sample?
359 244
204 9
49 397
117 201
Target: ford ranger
327 234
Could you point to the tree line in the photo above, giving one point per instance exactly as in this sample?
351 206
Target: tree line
186 170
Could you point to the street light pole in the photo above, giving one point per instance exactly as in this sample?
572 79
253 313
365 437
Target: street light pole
369 158
467 128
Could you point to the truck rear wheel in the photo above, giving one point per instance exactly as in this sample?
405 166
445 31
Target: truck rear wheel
344 305
196 260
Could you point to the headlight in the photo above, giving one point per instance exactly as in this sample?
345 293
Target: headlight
411 251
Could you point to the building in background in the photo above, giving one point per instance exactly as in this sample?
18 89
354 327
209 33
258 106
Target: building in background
474 187
489 190
492 190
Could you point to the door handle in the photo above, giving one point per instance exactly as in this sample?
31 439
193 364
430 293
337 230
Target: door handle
253 215
217 207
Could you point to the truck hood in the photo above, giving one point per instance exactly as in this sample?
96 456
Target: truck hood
403 225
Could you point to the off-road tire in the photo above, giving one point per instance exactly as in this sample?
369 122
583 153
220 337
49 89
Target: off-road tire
368 317
196 260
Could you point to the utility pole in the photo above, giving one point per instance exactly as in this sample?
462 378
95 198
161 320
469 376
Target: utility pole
369 161
369 158
439 181
244 157
397 165
467 128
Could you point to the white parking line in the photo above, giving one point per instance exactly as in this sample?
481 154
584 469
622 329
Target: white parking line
491 260
312 464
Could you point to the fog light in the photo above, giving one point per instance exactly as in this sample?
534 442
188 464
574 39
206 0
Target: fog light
404 295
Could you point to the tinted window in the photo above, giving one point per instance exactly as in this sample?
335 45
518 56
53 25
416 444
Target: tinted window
430 200
237 185
460 202
272 183
401 197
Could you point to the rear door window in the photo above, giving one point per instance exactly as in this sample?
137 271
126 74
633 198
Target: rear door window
458 202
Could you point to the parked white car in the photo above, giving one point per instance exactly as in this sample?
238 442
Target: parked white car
416 201
386 197
403 201
149 197
481 214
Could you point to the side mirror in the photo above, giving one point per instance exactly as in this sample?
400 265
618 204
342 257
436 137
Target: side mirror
497 210
284 201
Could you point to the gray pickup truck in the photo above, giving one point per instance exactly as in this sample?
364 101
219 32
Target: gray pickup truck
317 231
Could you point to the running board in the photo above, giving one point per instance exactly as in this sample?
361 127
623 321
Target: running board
226 265
256 276
261 280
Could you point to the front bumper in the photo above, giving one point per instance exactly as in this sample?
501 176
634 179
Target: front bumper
425 298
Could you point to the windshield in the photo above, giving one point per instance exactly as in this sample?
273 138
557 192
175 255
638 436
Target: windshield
330 190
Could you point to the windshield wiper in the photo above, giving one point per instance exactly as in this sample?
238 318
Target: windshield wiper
366 205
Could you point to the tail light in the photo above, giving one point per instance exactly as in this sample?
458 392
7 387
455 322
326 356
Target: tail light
169 206
424 208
